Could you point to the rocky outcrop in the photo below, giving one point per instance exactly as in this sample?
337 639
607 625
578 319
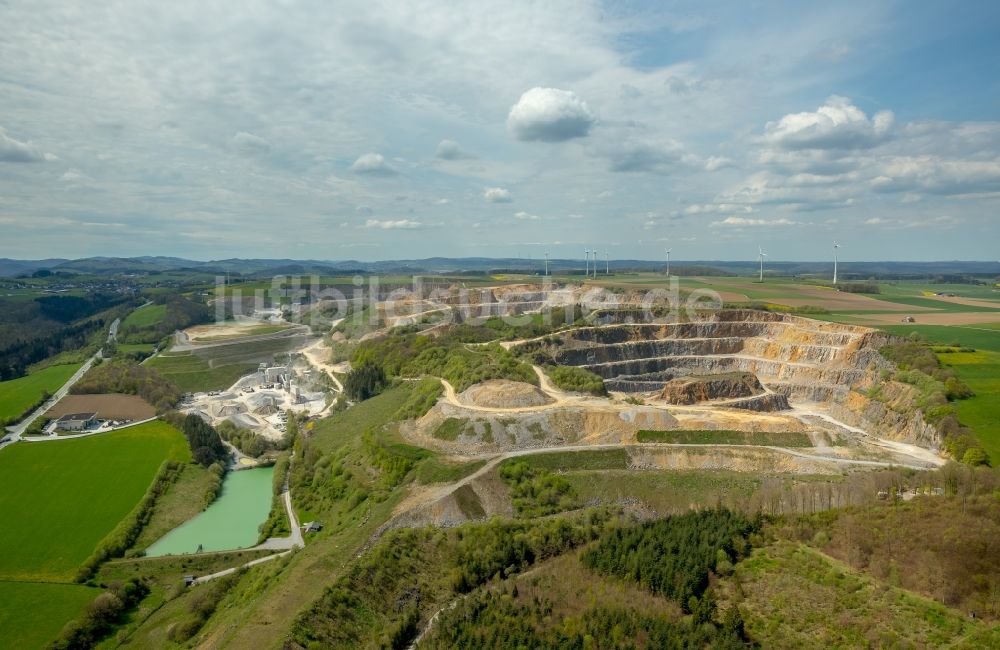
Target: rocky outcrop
702 388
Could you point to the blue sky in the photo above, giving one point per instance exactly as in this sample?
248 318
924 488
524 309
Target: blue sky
401 130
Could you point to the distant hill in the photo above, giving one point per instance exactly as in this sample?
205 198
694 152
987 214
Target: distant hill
10 268
272 267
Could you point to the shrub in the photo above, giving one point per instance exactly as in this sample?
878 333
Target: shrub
131 378
975 456
578 379
105 611
535 491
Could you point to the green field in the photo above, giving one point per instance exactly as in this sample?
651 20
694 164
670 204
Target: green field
19 395
145 316
191 373
59 499
776 439
32 613
125 348
981 371
981 337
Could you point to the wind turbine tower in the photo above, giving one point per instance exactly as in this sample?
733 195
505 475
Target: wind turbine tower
586 271
835 247
546 264
762 256
668 261
595 263
607 263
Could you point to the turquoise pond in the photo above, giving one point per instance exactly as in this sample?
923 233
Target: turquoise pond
231 522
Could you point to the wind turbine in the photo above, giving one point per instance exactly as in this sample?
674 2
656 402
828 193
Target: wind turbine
595 263
586 271
546 264
607 263
835 247
762 256
668 261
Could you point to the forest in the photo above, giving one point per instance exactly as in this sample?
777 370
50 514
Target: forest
34 330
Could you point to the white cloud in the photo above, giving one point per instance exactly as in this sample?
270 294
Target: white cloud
838 124
15 151
451 150
933 175
715 163
75 177
248 143
743 221
635 155
524 216
549 115
398 224
373 164
497 195
942 221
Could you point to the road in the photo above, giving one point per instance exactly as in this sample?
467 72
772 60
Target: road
18 429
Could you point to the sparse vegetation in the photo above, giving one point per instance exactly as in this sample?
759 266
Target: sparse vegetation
724 437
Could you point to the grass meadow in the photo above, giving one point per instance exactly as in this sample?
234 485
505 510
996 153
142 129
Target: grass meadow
191 373
59 499
145 316
19 395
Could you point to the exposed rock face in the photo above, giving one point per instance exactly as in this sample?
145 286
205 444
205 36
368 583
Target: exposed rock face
792 358
702 388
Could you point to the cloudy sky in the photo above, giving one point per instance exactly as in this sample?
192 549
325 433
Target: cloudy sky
401 130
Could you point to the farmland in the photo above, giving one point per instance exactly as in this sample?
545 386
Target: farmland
111 406
32 613
19 395
44 484
980 370
58 500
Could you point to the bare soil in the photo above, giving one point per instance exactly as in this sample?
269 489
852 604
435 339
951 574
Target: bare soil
109 406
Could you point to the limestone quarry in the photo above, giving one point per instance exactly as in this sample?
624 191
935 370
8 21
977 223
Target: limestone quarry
740 370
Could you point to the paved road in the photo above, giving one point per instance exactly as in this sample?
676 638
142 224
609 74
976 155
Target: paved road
18 429
55 437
